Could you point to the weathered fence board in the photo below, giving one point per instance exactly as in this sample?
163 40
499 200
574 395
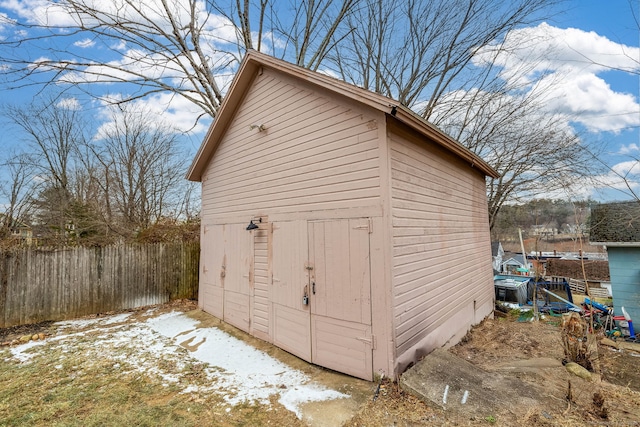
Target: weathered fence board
64 283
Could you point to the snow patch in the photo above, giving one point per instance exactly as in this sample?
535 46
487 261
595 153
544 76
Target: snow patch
85 323
250 373
232 368
172 324
19 351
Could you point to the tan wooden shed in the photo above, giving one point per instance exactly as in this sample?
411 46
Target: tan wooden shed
371 246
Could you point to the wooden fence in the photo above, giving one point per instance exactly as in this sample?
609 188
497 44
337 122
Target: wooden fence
55 284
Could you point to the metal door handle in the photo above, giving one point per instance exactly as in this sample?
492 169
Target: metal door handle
313 287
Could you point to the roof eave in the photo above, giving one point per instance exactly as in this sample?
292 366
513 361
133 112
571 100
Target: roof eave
246 73
409 118
623 244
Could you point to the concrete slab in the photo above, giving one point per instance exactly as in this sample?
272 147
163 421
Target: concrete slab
528 365
444 380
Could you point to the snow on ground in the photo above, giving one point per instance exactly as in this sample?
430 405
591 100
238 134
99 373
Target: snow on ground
250 373
104 320
20 352
233 369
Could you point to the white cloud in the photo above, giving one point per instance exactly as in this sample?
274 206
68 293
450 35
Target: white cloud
177 111
39 12
627 169
85 43
621 182
629 149
589 100
69 104
168 109
569 63
42 63
5 21
121 45
136 63
55 14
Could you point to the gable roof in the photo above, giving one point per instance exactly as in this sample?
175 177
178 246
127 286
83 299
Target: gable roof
615 224
251 66
517 259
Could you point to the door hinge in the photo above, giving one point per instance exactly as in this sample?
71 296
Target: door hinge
368 226
371 340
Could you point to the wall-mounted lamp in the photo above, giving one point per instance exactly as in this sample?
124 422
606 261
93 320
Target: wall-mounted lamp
253 226
260 127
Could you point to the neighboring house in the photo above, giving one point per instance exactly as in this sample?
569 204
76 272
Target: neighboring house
337 224
617 226
497 252
542 231
515 262
22 232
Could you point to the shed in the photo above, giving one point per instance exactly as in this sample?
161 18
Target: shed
617 226
515 264
369 245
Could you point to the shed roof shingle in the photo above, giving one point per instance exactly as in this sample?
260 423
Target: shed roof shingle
615 223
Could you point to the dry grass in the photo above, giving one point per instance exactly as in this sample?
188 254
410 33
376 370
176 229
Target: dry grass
65 386
394 407
75 386
54 391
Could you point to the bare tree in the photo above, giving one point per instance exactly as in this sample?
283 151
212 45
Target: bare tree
534 151
623 177
440 59
188 47
17 189
141 168
417 52
54 131
431 56
317 28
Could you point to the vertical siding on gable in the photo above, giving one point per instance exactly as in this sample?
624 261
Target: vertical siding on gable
315 153
441 245
261 307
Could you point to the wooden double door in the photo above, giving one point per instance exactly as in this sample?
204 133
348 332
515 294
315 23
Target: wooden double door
321 293
303 285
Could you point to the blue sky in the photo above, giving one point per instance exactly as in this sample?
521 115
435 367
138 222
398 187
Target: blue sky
601 104
615 21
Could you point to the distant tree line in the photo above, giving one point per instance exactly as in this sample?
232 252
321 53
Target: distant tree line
553 219
71 184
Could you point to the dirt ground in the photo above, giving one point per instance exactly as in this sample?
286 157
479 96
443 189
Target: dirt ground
610 399
613 399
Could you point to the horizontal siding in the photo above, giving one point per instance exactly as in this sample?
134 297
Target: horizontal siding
441 242
316 153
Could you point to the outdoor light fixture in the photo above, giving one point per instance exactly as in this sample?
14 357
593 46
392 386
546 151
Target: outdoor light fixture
260 127
253 226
